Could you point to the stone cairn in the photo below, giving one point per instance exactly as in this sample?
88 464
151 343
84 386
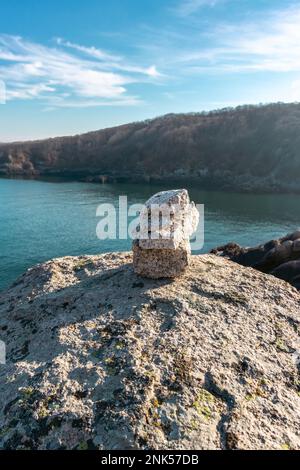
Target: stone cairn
162 247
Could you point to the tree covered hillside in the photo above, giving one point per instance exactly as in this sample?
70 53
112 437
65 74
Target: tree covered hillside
246 148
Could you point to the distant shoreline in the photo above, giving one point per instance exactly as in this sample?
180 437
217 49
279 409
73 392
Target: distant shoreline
249 149
255 187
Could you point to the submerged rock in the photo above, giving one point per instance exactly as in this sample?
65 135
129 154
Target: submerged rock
99 358
166 223
280 258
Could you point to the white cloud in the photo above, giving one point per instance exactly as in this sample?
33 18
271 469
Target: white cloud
188 7
91 51
85 77
110 61
59 102
26 92
271 44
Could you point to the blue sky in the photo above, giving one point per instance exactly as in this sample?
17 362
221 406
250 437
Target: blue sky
71 66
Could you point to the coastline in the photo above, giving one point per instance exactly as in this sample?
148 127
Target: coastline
247 185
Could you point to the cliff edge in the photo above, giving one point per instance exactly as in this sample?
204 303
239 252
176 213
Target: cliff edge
98 357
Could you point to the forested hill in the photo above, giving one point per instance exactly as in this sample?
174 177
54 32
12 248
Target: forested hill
246 148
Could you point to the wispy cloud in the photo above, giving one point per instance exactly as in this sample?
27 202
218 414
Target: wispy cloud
75 75
110 61
188 7
91 51
271 44
85 77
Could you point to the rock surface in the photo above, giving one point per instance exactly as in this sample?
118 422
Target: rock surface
166 223
100 358
281 257
161 263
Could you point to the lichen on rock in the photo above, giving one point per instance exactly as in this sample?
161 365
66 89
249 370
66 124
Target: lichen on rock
99 358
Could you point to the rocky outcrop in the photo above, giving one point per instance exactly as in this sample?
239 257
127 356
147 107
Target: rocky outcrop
166 223
98 357
281 257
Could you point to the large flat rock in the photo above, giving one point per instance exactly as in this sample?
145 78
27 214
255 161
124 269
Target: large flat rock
98 357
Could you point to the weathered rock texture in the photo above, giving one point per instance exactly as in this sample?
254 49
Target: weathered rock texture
98 358
157 263
166 223
281 258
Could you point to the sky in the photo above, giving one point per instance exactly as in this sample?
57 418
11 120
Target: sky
72 66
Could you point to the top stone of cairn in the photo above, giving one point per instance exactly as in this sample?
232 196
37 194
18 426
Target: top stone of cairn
167 221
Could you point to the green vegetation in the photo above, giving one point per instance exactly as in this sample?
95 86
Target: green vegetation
204 404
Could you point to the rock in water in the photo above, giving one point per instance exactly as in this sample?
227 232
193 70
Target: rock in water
100 358
281 257
163 248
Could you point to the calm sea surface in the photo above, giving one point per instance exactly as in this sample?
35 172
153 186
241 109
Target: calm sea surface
41 220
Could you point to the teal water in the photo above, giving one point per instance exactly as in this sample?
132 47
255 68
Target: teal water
41 220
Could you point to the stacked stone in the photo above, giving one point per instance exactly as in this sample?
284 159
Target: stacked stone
162 249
